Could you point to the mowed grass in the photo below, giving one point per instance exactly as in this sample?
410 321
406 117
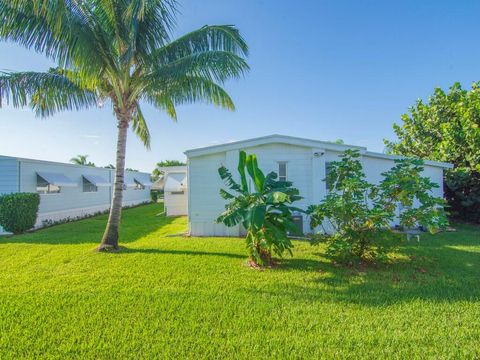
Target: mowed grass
168 296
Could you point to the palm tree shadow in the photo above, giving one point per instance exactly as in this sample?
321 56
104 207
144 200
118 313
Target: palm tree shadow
136 223
127 250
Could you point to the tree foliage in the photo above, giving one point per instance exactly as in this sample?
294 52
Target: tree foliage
355 217
81 160
262 205
447 128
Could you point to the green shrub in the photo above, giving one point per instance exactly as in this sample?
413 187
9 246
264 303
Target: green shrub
356 215
18 212
154 195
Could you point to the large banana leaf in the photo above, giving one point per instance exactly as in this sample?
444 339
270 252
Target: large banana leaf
255 173
265 212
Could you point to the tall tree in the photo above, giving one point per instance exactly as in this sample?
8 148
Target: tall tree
164 163
81 160
122 52
447 128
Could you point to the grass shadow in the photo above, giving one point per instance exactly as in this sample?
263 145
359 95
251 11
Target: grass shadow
126 250
442 268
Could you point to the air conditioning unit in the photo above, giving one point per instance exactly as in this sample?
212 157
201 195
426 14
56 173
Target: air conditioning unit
298 221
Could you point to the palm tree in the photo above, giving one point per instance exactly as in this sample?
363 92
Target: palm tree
120 52
81 160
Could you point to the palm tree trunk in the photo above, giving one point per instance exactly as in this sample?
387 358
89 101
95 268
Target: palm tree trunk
110 236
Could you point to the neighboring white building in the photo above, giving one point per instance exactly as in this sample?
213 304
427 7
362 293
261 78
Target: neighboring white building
68 190
302 161
175 190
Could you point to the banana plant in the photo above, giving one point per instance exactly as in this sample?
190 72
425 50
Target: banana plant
263 206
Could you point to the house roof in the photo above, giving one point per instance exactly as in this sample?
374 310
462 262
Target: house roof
291 140
66 164
173 169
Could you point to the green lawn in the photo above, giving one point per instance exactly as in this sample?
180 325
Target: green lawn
167 296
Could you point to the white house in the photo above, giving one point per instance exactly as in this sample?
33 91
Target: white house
302 161
175 190
68 190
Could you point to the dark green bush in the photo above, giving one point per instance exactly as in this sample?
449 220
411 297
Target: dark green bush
18 212
154 194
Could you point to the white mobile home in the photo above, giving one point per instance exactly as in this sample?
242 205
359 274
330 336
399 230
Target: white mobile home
302 161
175 190
68 190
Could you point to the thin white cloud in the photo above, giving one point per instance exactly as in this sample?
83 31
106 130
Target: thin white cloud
91 136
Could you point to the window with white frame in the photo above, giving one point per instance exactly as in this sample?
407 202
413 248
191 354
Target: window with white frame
282 171
88 186
327 171
44 187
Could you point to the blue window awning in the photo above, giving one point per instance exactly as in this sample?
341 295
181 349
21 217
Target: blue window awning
97 180
57 179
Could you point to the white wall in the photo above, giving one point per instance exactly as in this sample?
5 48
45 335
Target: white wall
205 203
176 204
72 202
305 168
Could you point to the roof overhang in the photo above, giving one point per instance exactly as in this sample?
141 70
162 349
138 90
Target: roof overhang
440 164
271 139
290 140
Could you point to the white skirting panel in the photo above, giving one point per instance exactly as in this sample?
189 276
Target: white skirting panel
203 228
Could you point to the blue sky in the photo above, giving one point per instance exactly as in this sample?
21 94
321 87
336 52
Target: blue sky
320 69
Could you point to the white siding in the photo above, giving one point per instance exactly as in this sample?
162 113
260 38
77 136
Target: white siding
72 202
8 176
305 168
176 204
205 203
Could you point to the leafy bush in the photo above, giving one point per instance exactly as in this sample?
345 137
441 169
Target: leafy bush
264 211
18 212
462 191
355 216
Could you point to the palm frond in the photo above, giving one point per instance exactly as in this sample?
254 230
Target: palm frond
140 128
150 23
215 65
62 30
46 93
208 38
187 90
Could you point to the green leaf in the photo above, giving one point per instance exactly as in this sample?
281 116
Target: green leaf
255 173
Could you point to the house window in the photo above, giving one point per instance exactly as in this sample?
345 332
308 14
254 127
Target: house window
138 186
177 192
44 187
282 171
88 186
327 171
